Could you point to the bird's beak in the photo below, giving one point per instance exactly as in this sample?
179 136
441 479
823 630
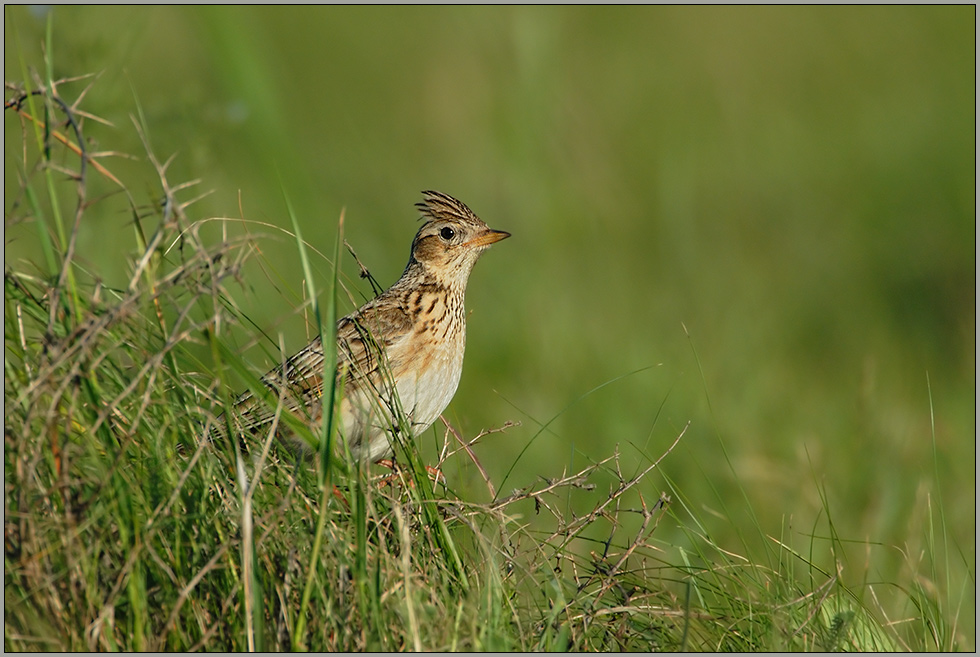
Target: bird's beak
487 238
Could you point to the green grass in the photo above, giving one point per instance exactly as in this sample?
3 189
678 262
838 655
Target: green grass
821 496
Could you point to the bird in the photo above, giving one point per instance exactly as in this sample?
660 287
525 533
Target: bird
400 355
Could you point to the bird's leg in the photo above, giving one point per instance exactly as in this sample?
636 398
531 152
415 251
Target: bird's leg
434 473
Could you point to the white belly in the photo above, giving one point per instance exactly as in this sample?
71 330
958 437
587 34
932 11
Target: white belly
424 390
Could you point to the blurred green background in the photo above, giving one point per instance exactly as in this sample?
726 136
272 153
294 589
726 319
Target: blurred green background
795 188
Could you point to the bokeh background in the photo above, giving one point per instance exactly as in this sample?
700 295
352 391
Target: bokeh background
761 221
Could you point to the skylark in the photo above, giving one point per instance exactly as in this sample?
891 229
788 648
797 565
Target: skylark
399 355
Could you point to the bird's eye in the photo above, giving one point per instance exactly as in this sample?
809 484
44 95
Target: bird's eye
447 233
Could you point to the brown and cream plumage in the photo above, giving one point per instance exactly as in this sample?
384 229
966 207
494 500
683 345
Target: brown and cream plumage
402 350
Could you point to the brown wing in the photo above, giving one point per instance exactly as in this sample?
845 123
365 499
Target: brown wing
359 357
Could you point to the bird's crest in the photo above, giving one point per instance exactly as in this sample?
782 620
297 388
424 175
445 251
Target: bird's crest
443 206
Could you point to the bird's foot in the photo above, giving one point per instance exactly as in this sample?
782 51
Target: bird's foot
434 473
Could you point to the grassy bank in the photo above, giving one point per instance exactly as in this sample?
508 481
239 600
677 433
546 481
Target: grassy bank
782 484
